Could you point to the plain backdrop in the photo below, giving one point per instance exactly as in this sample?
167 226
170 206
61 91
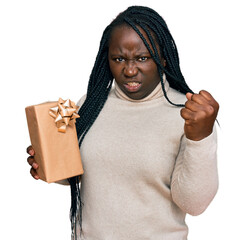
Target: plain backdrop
47 50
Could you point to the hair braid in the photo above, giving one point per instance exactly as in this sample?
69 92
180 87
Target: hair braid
101 78
155 56
160 66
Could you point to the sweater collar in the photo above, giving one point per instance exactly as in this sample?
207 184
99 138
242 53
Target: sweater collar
156 93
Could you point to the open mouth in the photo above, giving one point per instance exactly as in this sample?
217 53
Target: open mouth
132 86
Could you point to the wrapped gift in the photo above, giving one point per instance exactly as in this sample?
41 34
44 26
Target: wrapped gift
53 136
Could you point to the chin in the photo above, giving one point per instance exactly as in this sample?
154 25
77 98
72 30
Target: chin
135 96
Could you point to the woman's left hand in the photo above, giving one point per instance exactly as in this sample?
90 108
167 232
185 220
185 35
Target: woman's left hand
199 113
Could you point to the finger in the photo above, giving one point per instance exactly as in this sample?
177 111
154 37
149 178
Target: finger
192 117
198 98
30 150
194 106
189 95
210 99
34 174
186 114
206 95
32 162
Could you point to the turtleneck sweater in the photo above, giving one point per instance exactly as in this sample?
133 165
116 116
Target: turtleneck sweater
141 174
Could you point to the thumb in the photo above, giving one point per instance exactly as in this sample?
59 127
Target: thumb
189 95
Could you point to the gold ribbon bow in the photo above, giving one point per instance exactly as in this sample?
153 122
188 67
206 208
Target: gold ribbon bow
64 114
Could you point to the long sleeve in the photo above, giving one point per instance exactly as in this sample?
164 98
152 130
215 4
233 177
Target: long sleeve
195 177
130 155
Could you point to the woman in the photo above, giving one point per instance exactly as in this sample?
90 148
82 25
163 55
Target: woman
148 144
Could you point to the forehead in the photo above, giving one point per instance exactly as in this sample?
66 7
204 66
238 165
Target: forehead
125 36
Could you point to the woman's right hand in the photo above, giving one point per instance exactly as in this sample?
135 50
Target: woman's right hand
32 163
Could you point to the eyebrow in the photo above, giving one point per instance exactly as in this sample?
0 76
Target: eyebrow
137 54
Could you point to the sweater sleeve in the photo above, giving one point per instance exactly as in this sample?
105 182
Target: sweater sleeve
195 177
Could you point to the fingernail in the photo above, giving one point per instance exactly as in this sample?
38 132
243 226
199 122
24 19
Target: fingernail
36 177
31 152
35 165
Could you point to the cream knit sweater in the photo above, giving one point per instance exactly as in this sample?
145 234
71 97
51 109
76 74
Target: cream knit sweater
141 174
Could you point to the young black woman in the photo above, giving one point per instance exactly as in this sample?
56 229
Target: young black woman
148 144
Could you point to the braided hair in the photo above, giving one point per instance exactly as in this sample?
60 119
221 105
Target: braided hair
101 78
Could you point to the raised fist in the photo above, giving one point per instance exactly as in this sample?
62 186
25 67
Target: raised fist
199 113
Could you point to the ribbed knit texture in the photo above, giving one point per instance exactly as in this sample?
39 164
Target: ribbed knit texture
141 174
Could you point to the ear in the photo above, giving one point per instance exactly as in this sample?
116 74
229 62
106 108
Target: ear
164 62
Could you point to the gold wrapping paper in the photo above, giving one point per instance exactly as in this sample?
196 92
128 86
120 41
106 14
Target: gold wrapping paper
57 153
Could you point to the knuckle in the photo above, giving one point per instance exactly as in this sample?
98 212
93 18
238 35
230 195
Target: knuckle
217 106
187 104
182 111
187 122
210 109
207 111
203 114
205 93
193 97
195 117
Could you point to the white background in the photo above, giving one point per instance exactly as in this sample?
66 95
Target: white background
47 50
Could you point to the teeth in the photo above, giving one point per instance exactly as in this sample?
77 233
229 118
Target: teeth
133 84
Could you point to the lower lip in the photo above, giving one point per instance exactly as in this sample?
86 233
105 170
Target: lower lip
132 88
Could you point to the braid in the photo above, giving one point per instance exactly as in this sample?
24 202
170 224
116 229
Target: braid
143 16
101 78
99 85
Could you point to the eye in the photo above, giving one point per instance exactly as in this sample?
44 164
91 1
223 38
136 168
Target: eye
119 59
142 59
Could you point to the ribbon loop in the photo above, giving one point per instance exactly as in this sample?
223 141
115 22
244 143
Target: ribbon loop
64 114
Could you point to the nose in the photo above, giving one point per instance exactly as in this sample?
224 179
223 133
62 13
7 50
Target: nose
130 69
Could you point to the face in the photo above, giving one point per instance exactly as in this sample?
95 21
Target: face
131 64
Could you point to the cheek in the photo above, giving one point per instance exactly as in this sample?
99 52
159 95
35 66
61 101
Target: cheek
150 65
111 67
151 69
114 69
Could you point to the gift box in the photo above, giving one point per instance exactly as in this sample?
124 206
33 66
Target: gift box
54 139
